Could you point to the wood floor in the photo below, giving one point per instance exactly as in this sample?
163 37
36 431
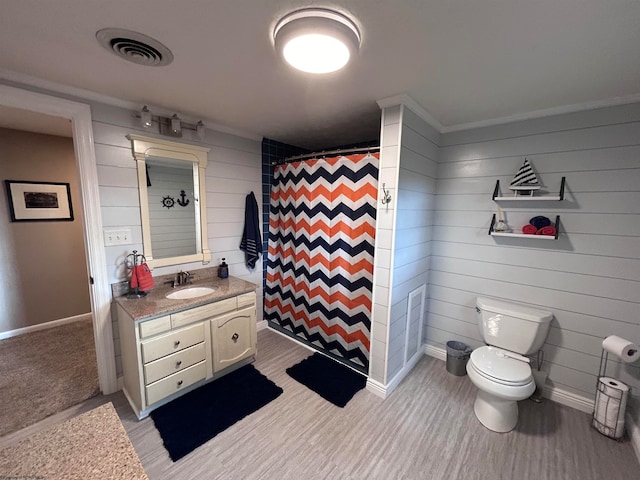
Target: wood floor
425 430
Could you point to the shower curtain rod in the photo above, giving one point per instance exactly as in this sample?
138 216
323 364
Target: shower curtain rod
373 148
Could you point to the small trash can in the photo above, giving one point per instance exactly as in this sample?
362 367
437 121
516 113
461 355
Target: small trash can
458 354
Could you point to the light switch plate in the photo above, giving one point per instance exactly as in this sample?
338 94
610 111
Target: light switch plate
121 236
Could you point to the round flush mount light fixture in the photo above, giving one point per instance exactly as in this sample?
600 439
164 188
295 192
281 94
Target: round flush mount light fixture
316 40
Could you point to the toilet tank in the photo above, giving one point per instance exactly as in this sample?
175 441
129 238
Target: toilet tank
511 326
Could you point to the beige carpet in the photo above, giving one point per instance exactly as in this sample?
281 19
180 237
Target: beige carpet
93 445
45 372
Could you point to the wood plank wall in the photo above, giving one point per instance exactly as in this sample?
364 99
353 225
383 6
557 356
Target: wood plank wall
233 171
412 247
589 278
408 166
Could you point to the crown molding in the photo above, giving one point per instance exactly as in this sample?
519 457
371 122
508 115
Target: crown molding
414 106
545 112
87 95
407 101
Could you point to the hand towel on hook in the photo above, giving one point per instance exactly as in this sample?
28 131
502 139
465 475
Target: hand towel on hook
251 239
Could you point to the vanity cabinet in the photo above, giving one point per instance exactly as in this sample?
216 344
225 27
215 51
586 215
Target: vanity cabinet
167 356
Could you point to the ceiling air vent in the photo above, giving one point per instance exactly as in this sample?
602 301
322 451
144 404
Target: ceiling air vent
134 47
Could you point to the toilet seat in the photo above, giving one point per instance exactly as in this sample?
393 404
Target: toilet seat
494 365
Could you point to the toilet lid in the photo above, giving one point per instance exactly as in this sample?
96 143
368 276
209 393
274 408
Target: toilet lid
492 362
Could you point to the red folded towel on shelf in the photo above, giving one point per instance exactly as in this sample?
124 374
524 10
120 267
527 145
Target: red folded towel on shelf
529 229
549 230
141 277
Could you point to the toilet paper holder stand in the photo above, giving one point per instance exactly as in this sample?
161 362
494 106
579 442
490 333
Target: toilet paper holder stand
609 396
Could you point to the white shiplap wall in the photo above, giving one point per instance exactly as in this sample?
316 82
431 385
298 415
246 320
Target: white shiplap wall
233 171
408 166
412 247
589 278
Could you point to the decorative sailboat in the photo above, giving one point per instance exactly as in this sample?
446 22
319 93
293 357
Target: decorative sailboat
525 181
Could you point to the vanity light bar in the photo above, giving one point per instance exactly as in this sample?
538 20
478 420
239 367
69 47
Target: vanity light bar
171 126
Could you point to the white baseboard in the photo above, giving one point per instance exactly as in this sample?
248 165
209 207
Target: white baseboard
435 352
554 394
384 391
44 326
262 325
570 399
633 429
376 388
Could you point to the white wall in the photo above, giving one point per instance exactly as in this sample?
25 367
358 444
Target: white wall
412 245
40 262
233 171
589 278
408 165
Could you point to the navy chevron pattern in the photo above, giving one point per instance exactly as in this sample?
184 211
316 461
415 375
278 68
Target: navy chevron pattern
320 256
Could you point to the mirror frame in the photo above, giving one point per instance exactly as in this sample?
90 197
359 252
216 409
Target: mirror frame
143 147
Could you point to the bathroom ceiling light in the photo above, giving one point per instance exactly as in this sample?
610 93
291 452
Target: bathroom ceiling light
145 117
316 40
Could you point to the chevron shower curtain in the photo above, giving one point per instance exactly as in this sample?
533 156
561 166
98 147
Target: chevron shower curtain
320 258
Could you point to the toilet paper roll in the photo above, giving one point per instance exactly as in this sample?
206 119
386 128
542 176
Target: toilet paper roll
610 406
627 351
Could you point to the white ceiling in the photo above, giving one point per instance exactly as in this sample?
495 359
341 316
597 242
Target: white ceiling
463 62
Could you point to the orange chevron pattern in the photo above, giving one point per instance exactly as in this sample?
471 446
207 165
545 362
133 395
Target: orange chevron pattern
320 263
320 225
319 259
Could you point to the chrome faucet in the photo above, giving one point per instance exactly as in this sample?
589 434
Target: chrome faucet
181 278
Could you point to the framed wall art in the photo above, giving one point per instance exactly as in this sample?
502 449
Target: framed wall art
39 201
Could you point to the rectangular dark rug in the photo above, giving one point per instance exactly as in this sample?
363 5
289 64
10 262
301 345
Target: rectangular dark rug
195 418
329 379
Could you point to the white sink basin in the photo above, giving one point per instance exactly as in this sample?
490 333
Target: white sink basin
192 292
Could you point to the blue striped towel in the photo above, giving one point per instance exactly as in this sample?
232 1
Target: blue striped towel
251 239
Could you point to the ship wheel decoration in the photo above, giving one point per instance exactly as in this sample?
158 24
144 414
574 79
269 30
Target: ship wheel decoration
168 201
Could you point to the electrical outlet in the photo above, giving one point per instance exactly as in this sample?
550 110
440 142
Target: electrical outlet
117 237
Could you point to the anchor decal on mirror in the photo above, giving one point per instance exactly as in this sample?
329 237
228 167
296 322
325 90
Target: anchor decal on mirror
183 201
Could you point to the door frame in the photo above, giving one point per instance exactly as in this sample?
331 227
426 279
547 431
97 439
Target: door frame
100 295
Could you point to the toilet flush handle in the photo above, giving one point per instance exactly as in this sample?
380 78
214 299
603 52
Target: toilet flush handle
517 356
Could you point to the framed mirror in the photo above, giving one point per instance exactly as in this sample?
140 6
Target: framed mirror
171 185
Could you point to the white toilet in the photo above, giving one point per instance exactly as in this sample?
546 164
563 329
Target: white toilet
499 370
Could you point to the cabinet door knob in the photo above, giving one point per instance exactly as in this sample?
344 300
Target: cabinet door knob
178 363
179 383
235 337
176 343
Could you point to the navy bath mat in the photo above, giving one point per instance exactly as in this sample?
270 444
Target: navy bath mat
195 418
329 379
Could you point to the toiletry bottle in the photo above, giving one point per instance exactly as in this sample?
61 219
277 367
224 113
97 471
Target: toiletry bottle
223 270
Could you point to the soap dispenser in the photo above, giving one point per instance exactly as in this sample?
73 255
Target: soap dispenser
223 270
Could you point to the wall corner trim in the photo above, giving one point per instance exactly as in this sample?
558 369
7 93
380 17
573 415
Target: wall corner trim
411 104
376 388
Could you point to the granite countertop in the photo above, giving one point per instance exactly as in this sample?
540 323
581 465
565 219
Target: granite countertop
156 304
91 446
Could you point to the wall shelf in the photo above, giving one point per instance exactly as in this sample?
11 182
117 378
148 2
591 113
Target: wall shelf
493 233
522 198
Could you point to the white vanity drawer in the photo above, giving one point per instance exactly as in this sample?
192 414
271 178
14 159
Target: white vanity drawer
205 311
173 363
172 342
246 300
155 326
176 382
